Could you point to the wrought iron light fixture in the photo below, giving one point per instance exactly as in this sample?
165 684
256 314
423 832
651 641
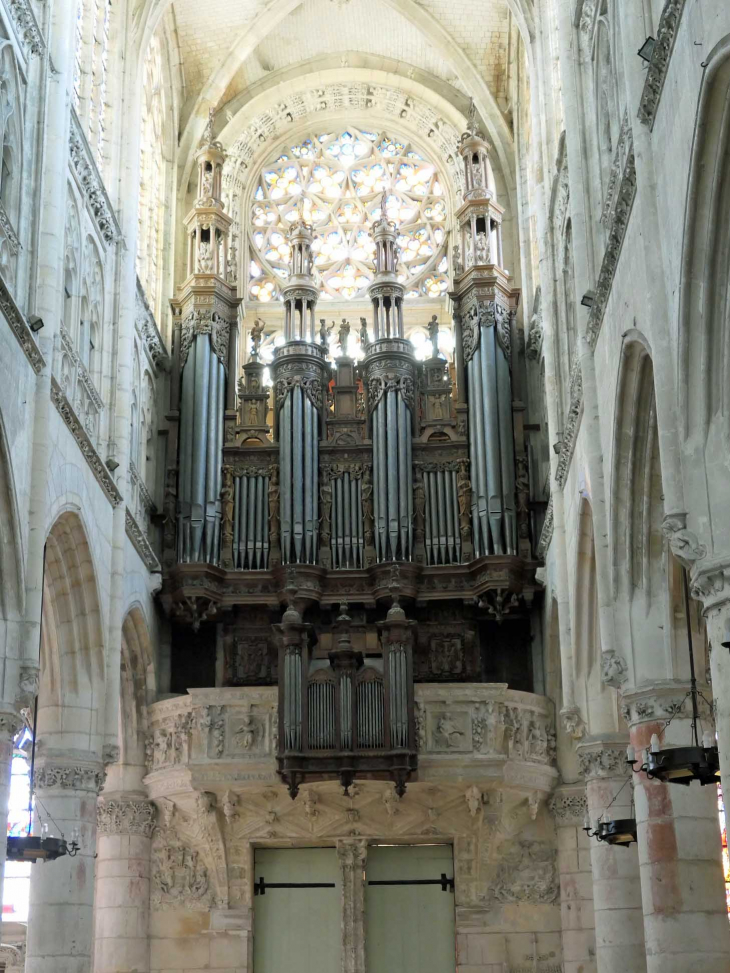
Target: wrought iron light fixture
682 765
617 831
43 847
647 49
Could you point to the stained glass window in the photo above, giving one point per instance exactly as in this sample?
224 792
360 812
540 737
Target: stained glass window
336 181
16 886
725 855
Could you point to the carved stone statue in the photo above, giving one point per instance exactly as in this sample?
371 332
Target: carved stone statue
323 332
364 337
433 334
325 506
207 184
227 504
463 487
205 259
482 248
274 504
419 504
253 413
257 333
367 505
344 335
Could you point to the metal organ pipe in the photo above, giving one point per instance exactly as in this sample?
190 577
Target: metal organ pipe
491 423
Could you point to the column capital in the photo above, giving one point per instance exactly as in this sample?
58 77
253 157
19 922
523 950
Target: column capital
663 700
605 757
710 583
10 723
125 815
568 805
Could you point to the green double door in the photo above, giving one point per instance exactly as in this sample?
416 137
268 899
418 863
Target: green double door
409 921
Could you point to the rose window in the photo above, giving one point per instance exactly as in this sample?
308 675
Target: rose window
336 181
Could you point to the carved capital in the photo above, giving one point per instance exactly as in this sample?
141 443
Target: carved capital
601 759
684 543
573 722
28 679
125 816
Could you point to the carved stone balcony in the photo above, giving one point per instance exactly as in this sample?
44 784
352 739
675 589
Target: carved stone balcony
485 734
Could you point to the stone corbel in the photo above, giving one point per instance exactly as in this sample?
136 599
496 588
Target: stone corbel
684 543
614 670
602 758
573 722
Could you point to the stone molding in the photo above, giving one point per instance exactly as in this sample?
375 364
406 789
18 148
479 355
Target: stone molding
8 229
616 233
601 758
26 27
546 534
94 461
661 702
70 777
20 328
572 424
140 542
147 330
624 147
659 64
91 183
126 816
568 806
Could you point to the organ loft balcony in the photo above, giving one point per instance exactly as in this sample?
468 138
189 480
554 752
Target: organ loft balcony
348 526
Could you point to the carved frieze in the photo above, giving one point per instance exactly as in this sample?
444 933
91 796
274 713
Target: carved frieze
568 807
19 326
26 27
91 183
168 745
76 778
659 64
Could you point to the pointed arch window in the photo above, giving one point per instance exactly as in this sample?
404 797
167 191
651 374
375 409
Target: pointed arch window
337 180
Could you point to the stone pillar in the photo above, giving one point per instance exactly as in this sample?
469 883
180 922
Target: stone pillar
568 806
717 616
682 885
352 854
122 906
60 924
616 887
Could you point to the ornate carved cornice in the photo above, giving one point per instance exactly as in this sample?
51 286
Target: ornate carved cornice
125 816
95 462
659 64
91 183
26 27
82 372
19 326
546 534
75 777
568 805
616 233
146 327
140 542
624 148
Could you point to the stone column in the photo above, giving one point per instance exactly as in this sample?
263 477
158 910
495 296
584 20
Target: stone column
60 924
616 887
714 592
122 908
352 854
568 806
682 885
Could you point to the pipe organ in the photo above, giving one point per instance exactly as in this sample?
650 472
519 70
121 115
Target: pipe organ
394 489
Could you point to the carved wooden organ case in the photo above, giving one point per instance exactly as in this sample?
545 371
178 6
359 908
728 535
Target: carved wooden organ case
385 503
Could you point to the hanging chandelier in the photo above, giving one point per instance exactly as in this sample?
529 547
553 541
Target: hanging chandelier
681 765
617 831
43 847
